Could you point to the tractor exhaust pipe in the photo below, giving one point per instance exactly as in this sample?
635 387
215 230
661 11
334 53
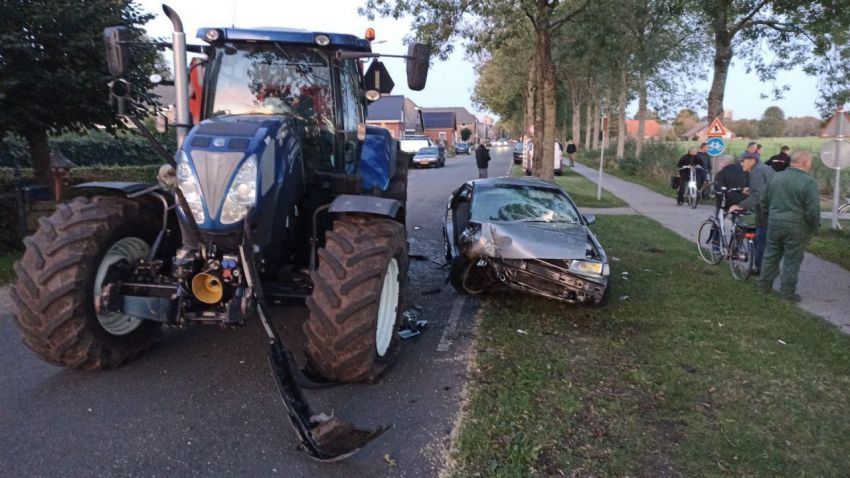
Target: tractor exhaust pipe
181 75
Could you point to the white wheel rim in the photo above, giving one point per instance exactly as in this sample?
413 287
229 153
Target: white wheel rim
387 309
129 249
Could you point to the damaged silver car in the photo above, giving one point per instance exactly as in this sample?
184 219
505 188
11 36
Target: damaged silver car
523 234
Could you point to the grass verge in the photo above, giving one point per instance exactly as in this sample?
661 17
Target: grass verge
7 274
685 373
832 245
580 189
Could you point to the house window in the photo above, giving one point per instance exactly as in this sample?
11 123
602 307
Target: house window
443 135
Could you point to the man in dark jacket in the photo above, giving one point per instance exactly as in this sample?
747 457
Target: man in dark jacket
705 158
792 202
780 161
732 177
759 176
690 159
571 152
482 157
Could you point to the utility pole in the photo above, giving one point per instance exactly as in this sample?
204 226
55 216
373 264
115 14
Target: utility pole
601 150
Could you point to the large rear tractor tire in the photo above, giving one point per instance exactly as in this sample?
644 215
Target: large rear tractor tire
67 261
357 301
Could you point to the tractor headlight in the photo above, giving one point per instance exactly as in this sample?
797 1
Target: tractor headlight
242 194
188 184
586 267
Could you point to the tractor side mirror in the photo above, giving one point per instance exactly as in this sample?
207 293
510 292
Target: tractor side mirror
117 51
418 59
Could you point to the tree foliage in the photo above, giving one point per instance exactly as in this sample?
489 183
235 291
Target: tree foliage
53 74
772 123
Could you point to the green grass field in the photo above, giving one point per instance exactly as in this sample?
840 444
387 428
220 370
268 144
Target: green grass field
685 373
582 190
832 245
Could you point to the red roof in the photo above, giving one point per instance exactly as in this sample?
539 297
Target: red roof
651 128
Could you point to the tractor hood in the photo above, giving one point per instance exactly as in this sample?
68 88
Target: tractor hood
234 161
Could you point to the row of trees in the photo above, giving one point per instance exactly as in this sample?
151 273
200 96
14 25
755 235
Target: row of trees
550 65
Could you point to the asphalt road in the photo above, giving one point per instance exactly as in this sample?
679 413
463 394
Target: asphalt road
203 402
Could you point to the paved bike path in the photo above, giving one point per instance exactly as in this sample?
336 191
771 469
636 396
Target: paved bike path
824 286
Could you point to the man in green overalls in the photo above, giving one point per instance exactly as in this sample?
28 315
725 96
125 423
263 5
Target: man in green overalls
792 203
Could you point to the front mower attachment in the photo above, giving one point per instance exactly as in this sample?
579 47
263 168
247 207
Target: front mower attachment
325 438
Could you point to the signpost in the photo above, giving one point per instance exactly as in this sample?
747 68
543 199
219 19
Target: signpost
716 132
835 155
716 129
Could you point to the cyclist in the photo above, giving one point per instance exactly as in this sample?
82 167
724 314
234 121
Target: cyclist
690 159
731 177
759 176
705 158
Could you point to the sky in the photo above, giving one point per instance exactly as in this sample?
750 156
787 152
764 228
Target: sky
450 83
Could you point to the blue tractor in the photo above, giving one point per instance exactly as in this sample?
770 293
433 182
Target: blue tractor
278 191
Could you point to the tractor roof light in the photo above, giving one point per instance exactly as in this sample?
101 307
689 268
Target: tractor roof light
370 33
323 40
212 35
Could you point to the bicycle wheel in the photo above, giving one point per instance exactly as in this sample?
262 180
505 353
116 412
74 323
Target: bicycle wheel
693 197
741 258
708 243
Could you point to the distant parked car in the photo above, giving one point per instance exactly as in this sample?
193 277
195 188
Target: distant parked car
557 163
462 148
430 156
518 152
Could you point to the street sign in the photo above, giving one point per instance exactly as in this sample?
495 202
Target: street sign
835 154
716 129
716 146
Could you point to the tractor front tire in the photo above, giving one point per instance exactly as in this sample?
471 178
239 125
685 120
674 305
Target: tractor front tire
358 291
56 276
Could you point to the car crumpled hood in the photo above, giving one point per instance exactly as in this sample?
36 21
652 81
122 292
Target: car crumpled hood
531 240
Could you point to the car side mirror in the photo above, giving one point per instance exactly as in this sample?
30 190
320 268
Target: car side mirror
589 218
418 59
117 51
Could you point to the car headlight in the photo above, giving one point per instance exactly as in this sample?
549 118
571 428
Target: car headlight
586 267
242 194
188 184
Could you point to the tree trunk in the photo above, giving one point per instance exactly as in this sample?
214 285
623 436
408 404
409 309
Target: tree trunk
40 154
722 60
530 97
642 113
538 115
595 122
606 132
576 121
621 117
550 109
588 124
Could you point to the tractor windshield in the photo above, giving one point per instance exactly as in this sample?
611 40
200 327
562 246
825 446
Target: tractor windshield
269 78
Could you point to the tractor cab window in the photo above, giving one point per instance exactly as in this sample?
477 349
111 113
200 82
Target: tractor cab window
275 79
350 110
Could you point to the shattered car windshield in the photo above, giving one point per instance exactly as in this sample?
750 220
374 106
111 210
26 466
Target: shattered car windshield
508 202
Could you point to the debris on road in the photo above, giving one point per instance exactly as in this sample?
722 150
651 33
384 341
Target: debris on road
521 332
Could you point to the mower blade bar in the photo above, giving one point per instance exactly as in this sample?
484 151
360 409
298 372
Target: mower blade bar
324 438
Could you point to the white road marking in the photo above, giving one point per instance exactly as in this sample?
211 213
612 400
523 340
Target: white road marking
454 316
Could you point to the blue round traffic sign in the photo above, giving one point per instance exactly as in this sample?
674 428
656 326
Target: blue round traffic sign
716 146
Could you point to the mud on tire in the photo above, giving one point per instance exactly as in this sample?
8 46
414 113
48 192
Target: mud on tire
341 341
55 282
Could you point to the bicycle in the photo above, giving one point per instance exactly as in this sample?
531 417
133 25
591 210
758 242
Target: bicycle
738 248
692 193
844 209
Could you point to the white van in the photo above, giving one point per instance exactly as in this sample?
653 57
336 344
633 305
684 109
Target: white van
558 159
412 144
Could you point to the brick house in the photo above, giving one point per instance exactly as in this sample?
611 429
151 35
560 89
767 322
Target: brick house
652 129
463 118
398 114
440 127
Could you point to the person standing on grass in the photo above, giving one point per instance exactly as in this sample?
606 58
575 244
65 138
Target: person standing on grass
792 204
758 151
752 148
482 158
780 161
571 152
759 176
705 158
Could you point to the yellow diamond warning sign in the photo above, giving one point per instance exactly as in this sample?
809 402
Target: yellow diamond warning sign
716 129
